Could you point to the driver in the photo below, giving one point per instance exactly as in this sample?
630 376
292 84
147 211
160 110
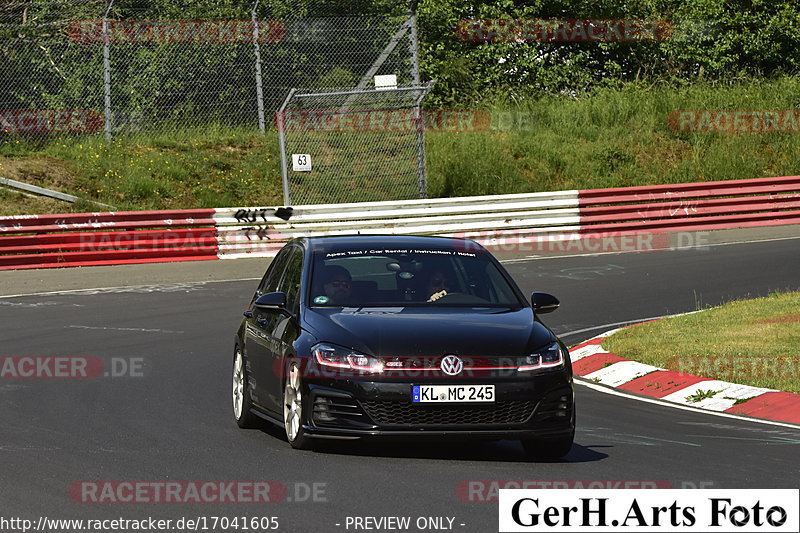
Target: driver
438 286
337 284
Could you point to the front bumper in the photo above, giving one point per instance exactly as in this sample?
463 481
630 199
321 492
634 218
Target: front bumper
529 406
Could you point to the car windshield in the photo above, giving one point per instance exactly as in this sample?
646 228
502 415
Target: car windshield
375 277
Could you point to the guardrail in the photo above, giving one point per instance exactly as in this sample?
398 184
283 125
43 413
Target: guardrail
83 239
41 241
692 206
252 232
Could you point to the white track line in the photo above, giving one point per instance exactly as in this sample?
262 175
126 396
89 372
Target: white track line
72 291
614 324
611 325
609 390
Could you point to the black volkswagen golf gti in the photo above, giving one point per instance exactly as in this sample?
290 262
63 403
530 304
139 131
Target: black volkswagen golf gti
399 336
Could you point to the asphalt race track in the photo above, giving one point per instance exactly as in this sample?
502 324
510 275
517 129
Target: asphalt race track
172 421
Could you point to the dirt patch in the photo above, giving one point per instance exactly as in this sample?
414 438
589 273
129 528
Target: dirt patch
13 203
779 320
43 171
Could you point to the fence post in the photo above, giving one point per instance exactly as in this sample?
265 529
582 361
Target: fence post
281 122
259 87
422 180
107 72
418 117
414 44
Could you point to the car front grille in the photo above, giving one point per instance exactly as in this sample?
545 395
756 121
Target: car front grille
404 413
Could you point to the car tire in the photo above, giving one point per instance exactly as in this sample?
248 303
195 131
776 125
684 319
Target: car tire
242 402
293 412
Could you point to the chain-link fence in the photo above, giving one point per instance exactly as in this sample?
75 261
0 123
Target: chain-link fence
353 145
129 66
48 82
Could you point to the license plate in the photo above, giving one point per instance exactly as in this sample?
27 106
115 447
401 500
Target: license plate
452 393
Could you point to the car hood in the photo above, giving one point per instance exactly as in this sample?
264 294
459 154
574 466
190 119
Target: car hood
415 332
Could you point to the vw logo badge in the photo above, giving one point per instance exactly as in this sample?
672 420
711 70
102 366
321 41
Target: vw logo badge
452 365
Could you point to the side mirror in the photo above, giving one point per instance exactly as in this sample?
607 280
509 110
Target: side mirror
272 300
543 302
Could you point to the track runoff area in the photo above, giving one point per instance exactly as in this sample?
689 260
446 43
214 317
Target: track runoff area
162 333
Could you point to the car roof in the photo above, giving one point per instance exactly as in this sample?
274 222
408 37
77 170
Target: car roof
316 243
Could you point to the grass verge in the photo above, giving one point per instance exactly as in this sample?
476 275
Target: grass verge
752 342
609 139
212 167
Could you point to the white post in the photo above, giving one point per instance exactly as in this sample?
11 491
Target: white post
259 86
280 119
107 72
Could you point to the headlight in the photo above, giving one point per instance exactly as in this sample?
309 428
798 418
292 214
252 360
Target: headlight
338 357
548 357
